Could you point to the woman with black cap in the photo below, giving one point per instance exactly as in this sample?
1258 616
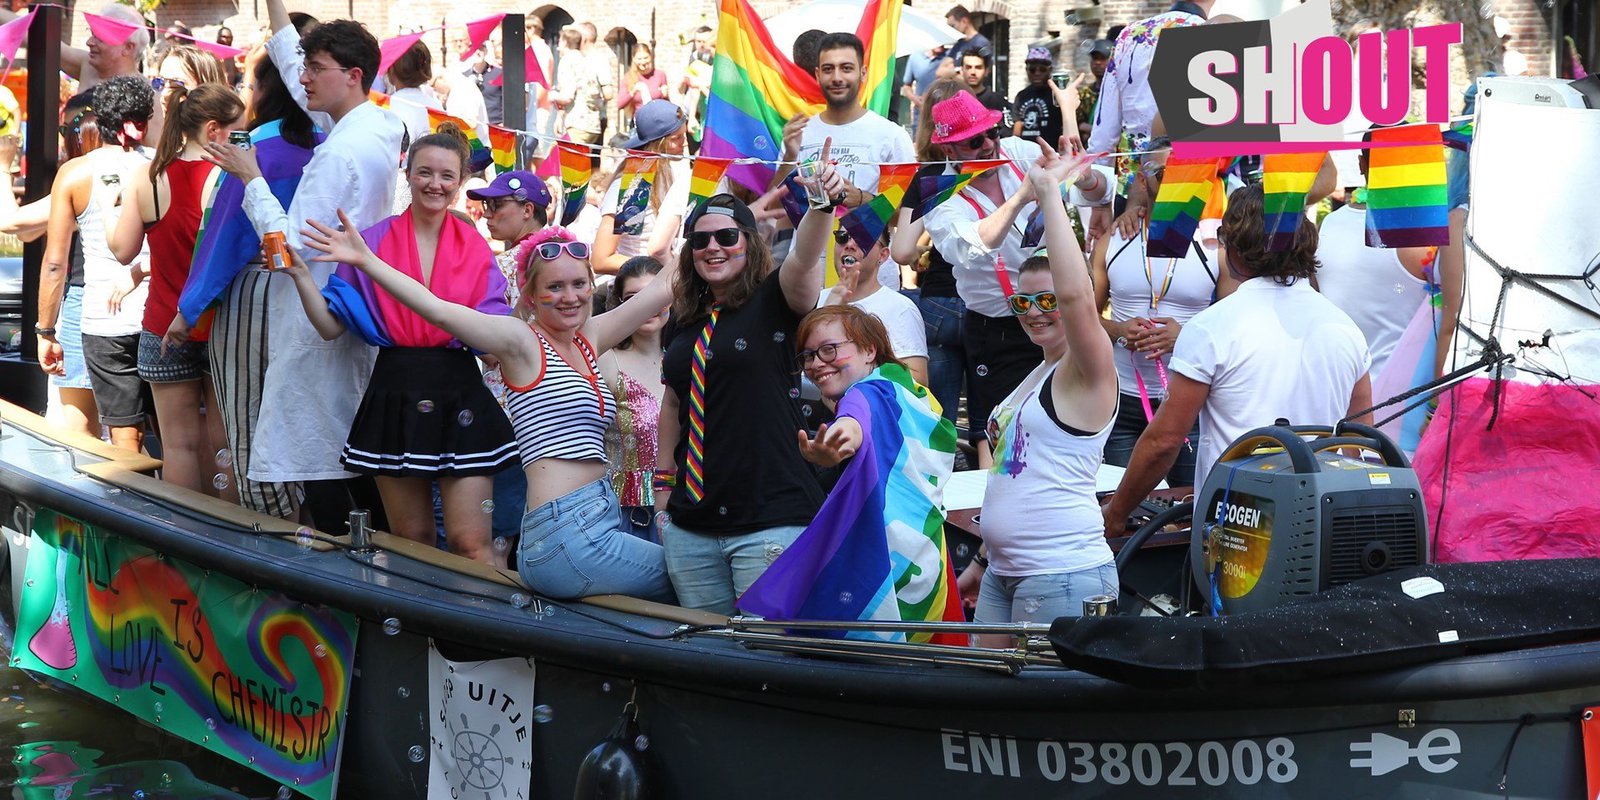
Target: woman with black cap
734 488
639 225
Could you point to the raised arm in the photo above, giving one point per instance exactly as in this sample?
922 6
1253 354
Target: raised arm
801 276
903 243
1085 386
607 329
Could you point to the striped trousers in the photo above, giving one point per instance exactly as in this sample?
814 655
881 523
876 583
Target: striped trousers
239 367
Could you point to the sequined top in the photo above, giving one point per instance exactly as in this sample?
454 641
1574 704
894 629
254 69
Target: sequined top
631 442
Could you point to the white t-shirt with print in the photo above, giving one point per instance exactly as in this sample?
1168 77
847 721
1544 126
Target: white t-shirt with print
908 334
859 147
635 239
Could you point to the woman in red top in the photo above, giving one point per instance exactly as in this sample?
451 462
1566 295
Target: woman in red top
165 210
643 82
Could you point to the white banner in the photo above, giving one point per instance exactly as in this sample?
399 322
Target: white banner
480 716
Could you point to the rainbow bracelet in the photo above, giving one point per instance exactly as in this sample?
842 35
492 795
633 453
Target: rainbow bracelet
663 480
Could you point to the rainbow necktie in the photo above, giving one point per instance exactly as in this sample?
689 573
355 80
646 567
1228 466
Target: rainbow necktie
696 466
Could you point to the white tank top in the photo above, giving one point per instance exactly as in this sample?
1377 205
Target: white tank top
102 272
1040 514
1180 287
1367 283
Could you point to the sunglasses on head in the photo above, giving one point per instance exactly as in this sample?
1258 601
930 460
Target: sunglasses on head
1021 303
550 251
726 237
159 83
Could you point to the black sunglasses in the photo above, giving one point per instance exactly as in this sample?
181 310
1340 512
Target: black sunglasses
726 237
978 141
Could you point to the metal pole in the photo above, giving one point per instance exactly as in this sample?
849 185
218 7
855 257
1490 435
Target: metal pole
514 76
39 151
1013 628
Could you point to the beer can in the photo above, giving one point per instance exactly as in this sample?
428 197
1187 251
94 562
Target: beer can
275 250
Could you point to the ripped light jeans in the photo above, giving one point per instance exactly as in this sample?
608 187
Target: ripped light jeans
710 572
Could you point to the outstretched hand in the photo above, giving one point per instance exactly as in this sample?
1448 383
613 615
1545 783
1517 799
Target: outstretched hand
1054 170
343 245
829 447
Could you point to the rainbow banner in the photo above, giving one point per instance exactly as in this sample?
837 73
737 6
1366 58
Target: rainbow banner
938 188
1407 195
755 89
573 161
1286 179
474 144
638 175
1187 190
879 32
866 223
244 672
876 550
707 173
503 148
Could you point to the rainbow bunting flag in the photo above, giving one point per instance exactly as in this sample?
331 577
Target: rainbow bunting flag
707 172
755 89
1187 191
573 160
503 148
1286 178
475 144
1459 136
876 550
638 174
879 32
1406 189
794 200
867 223
938 188
378 98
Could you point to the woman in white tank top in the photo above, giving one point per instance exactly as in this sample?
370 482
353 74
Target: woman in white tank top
1044 542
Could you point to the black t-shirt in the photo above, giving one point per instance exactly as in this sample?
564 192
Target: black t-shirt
996 101
978 43
754 475
938 280
1036 109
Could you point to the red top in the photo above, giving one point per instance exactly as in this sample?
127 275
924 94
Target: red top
171 239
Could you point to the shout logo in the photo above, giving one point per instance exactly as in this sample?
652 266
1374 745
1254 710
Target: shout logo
1288 81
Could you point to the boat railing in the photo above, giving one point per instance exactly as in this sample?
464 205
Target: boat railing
795 636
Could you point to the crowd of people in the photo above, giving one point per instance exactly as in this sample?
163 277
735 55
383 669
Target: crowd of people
624 403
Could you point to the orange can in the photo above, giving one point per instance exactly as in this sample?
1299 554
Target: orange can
275 250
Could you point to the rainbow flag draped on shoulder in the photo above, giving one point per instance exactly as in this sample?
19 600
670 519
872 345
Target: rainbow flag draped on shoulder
876 550
755 89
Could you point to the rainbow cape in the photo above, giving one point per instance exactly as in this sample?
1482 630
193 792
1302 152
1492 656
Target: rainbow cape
755 89
866 223
876 550
1187 192
703 179
573 161
938 188
1286 179
1407 195
227 242
879 31
503 148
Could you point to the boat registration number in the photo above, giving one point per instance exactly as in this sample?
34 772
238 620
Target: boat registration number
1243 761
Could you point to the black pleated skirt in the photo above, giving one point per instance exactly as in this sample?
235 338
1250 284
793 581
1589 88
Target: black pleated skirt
426 414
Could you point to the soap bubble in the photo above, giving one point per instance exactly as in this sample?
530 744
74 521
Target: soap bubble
320 651
303 537
211 724
220 481
224 458
488 506
520 600
464 418
391 626
778 336
403 692
846 597
415 754
740 344
424 406
501 545
641 743
543 713
284 793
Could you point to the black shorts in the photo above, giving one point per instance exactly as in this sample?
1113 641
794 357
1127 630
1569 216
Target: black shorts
113 362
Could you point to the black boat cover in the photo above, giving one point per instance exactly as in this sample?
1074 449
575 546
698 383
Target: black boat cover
1397 619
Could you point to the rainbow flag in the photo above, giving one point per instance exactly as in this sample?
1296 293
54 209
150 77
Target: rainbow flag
755 89
1285 180
1407 195
703 178
876 549
867 223
638 174
879 31
1186 192
378 98
474 144
503 148
794 200
1459 136
938 188
573 159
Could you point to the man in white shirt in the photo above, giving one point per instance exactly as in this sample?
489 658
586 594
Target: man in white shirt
312 387
1274 349
979 227
861 139
859 286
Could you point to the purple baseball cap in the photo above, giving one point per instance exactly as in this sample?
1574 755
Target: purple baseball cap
524 186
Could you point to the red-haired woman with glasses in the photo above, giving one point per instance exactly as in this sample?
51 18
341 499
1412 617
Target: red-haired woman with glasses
574 539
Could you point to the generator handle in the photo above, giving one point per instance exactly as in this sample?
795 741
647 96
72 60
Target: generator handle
1301 456
1366 436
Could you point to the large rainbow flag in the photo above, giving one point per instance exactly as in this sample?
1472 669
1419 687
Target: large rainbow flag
480 151
755 89
876 550
938 188
1407 195
867 223
1285 181
879 31
1187 191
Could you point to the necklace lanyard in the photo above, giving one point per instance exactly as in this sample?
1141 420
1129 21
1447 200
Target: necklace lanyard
1149 271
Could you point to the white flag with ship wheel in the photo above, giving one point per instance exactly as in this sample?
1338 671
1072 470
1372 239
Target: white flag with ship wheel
479 727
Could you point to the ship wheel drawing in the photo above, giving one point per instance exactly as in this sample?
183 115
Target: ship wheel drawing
480 763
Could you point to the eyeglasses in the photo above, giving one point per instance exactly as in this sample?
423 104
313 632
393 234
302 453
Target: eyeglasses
494 204
977 141
550 251
161 83
1153 171
726 237
1021 303
316 69
826 354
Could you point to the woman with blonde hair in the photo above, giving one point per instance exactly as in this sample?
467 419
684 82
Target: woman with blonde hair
647 225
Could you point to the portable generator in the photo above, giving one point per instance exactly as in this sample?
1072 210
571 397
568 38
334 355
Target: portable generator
1289 511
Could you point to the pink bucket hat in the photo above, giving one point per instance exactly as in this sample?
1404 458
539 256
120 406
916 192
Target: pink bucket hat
961 117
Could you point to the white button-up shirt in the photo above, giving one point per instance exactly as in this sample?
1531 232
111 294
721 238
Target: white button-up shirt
313 387
953 226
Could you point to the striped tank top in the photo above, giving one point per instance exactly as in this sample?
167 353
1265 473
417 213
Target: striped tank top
564 413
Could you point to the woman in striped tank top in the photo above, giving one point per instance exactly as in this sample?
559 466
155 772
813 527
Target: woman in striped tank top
574 539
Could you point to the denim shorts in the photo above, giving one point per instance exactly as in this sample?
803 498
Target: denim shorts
1042 598
70 334
578 545
180 363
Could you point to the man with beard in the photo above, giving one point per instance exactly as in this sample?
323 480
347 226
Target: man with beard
861 139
